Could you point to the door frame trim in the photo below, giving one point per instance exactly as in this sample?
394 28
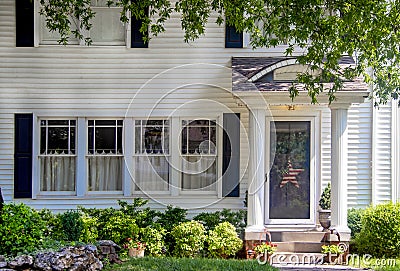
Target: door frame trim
315 161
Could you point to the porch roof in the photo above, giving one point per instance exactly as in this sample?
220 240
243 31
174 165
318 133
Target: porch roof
247 70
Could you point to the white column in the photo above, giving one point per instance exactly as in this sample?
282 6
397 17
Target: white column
339 162
255 202
396 152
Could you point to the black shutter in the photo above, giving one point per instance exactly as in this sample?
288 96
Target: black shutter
136 35
233 38
23 155
24 23
231 155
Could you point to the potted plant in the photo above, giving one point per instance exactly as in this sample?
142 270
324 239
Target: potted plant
264 250
135 248
325 208
332 253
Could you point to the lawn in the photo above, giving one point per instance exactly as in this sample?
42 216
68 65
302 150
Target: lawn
187 264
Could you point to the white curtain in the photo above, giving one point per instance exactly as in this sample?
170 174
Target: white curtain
199 173
105 173
57 173
151 173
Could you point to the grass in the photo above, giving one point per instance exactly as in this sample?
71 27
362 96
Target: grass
186 264
377 264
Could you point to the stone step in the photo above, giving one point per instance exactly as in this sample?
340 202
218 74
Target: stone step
297 236
287 258
298 247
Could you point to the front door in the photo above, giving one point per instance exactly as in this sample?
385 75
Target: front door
290 184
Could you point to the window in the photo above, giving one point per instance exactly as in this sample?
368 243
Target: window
105 157
107 29
199 155
151 155
57 155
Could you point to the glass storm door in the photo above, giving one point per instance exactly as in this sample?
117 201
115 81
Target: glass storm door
289 189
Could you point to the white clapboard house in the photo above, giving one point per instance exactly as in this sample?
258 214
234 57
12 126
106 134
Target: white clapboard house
202 126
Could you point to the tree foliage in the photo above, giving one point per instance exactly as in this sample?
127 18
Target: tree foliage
324 30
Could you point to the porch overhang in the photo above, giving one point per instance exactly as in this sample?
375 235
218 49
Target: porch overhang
254 86
251 87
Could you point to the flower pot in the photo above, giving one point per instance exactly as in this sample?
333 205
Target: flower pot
137 253
325 219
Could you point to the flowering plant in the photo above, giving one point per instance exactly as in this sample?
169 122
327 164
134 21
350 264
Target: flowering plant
263 248
134 244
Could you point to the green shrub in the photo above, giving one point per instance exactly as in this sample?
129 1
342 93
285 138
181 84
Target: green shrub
354 221
211 220
153 236
70 226
171 217
21 230
380 232
223 241
118 228
325 200
89 233
143 217
189 239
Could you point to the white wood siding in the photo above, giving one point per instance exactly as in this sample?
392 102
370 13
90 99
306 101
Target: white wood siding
382 152
7 23
359 155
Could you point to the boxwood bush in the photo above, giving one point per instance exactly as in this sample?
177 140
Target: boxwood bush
223 241
189 239
380 231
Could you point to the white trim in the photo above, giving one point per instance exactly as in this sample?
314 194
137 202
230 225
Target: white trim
175 160
396 152
315 161
282 63
128 139
374 136
81 150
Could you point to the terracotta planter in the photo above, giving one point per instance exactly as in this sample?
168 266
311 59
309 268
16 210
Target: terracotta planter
137 253
325 219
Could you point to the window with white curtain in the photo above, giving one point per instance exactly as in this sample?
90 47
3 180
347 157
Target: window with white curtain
57 155
199 155
151 155
105 156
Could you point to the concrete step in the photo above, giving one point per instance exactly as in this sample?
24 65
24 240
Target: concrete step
298 247
287 258
296 236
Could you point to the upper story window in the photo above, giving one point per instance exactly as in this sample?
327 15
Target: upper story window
107 29
105 160
57 155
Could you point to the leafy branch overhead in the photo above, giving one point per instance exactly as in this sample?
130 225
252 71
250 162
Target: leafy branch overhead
324 30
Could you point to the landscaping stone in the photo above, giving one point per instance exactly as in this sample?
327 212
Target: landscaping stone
69 258
21 262
108 249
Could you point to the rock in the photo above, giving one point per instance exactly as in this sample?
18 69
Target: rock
21 262
109 243
3 264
